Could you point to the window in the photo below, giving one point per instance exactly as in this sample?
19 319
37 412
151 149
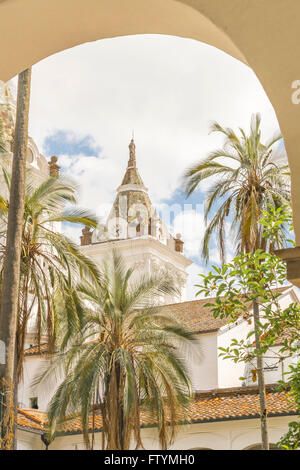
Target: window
29 155
34 403
150 228
270 368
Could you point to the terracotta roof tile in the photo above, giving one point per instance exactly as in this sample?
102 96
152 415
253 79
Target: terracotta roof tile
208 406
27 419
37 351
237 406
194 316
199 319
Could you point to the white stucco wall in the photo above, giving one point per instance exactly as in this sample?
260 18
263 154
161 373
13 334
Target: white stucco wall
230 372
29 440
203 362
273 370
34 366
208 371
221 435
147 256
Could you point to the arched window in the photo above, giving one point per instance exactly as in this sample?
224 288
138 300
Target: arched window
200 448
259 447
150 226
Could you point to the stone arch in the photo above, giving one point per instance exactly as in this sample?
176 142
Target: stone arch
258 446
248 433
201 440
78 22
200 448
271 48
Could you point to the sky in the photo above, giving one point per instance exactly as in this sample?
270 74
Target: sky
87 101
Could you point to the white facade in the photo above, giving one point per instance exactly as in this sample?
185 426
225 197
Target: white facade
36 162
221 435
229 373
32 367
208 370
203 363
147 255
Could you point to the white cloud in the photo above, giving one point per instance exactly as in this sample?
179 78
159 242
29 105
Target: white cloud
229 245
93 177
168 90
72 231
190 224
214 255
193 279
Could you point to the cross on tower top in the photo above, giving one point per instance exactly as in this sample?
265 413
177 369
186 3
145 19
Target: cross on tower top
132 160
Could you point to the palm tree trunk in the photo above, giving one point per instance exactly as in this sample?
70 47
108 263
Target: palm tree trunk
261 381
11 269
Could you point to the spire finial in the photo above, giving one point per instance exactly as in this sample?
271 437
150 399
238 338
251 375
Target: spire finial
132 161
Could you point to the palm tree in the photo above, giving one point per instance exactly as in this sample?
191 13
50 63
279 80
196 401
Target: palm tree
50 263
124 362
2 143
249 176
11 271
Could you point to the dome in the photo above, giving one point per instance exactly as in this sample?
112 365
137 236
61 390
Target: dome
7 114
35 160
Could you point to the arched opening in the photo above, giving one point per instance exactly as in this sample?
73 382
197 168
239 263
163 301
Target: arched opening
200 448
179 24
27 30
156 85
76 23
259 447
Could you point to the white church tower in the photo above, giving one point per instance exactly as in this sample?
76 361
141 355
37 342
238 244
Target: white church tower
39 167
134 229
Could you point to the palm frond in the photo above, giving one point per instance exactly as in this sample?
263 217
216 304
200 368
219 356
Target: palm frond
241 192
125 351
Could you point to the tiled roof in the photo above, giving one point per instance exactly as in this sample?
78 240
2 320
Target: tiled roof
192 314
239 404
30 420
208 406
37 350
197 318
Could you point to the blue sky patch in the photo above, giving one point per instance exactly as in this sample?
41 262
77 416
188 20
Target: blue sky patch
67 142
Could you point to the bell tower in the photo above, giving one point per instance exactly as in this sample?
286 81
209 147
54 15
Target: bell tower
134 228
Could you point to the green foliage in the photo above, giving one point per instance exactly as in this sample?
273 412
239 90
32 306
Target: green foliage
291 440
253 277
277 223
273 222
2 143
248 178
51 264
123 362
